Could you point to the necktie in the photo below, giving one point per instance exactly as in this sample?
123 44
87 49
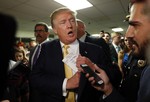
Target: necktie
118 49
68 73
36 54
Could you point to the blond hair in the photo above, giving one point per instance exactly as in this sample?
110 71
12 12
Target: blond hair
60 10
114 34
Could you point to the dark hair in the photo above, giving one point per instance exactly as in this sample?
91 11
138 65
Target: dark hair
102 31
146 9
135 1
108 33
42 24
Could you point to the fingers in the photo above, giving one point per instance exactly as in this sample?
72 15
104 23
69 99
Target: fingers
80 60
99 70
73 82
83 60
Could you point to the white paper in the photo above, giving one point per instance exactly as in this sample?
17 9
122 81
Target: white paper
70 60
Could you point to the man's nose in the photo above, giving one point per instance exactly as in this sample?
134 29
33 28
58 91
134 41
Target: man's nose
130 32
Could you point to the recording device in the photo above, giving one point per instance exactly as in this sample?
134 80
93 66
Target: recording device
87 69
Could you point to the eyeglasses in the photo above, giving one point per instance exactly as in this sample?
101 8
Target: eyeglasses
40 31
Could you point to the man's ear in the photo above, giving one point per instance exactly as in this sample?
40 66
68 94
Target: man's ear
55 31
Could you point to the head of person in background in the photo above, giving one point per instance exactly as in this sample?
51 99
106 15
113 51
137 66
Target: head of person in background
32 44
20 55
101 33
20 45
122 43
128 46
124 54
41 32
64 24
80 28
107 37
116 37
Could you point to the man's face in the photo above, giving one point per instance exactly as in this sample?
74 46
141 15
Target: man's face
40 34
65 27
117 39
80 29
139 29
106 37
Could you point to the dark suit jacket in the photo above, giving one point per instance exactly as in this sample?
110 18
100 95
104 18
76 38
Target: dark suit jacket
31 54
34 95
8 27
48 74
114 55
144 90
100 42
114 68
143 93
132 74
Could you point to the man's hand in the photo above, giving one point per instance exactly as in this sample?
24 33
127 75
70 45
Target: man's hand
107 86
83 60
73 82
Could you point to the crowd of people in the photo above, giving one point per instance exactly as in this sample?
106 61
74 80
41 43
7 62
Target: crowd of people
50 70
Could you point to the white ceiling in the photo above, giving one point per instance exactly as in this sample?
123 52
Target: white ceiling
104 15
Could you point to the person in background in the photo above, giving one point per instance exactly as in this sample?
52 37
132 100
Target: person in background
84 36
20 55
49 75
123 55
41 33
101 33
138 33
17 82
107 37
115 46
21 46
32 44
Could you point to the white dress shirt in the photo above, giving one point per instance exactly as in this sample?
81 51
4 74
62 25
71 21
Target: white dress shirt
73 48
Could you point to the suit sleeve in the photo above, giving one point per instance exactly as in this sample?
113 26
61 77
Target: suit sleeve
113 97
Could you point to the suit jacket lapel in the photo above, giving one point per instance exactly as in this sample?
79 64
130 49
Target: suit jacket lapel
82 48
59 56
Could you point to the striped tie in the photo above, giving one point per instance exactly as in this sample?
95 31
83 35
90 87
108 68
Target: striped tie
36 54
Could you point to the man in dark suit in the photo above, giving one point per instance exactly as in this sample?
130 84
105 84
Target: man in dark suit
84 36
138 20
48 74
115 46
8 27
41 33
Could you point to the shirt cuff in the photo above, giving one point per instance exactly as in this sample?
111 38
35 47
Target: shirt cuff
104 96
64 87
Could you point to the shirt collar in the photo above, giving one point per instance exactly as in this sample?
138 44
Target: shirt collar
71 45
83 38
44 41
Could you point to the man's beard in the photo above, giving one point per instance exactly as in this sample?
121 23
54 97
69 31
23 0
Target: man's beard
140 51
148 53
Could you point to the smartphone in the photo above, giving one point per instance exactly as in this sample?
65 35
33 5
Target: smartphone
87 69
